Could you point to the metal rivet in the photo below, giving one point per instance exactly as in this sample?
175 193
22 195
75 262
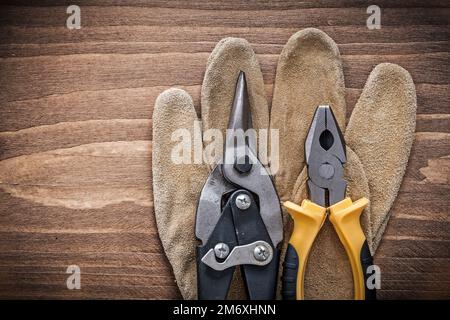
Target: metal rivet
326 171
243 201
221 250
243 164
261 253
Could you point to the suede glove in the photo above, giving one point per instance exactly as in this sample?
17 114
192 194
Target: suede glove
379 137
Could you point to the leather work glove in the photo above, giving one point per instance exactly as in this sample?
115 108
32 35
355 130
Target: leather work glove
379 136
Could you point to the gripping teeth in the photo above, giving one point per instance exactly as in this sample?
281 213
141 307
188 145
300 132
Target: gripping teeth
324 132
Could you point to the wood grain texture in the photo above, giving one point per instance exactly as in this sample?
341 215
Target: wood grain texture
75 132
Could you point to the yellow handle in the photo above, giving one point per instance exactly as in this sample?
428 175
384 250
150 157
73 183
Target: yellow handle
345 217
308 219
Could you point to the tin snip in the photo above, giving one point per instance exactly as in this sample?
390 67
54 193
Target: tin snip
238 220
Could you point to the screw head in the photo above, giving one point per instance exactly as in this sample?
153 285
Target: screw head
221 250
261 253
243 201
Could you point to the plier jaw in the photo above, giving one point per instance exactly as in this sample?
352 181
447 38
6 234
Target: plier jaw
238 215
325 157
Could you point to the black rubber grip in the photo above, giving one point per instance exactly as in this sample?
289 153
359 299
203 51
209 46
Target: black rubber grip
290 270
366 262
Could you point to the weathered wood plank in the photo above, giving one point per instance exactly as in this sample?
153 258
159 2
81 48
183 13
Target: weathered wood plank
237 4
293 18
124 47
213 33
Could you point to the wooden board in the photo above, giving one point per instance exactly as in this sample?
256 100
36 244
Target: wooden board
75 132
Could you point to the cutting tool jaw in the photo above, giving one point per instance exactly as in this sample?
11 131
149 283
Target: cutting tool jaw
236 173
240 115
240 136
325 157
242 166
238 215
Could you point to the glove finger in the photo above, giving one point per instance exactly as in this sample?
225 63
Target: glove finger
230 56
381 132
176 186
309 74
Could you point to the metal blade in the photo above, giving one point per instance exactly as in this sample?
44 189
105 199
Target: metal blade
240 115
209 206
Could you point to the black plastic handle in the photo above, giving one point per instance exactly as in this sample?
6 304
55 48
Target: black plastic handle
290 271
366 262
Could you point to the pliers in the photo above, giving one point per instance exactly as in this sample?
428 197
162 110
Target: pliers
325 158
238 220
